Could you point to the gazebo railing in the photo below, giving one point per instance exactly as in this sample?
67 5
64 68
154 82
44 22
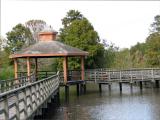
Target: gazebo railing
40 74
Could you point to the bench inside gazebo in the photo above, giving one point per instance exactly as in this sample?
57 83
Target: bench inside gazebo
48 47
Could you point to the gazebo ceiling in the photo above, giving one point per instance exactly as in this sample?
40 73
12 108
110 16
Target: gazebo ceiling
49 49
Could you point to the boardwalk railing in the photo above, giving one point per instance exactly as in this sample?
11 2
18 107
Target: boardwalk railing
132 75
24 102
111 75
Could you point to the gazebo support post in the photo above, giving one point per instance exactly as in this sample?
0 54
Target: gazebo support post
15 68
82 68
28 68
83 74
65 73
65 69
36 68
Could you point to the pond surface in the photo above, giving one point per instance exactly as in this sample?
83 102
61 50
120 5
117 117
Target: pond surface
130 104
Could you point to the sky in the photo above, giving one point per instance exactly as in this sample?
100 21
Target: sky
123 23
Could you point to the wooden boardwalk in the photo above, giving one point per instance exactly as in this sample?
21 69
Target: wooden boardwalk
28 100
108 76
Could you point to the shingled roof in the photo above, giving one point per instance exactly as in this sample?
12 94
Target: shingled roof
47 46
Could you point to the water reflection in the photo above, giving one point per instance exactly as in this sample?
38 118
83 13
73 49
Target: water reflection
130 104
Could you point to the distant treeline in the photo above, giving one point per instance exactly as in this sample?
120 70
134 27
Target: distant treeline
142 55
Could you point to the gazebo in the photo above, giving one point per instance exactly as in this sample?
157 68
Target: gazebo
48 47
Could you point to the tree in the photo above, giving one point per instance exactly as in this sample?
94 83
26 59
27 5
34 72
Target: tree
78 32
155 26
153 43
122 59
153 52
1 41
17 38
138 55
35 27
71 16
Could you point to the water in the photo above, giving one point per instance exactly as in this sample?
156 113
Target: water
111 104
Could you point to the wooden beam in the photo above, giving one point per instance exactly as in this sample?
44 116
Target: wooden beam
82 67
28 67
65 69
15 68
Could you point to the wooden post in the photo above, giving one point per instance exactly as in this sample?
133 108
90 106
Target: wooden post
65 69
157 83
28 68
36 68
66 93
120 86
82 86
77 89
100 88
15 68
82 67
140 84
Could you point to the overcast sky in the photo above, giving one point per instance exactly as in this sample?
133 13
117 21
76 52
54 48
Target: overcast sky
122 22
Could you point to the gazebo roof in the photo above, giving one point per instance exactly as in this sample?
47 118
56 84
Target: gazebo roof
47 46
49 49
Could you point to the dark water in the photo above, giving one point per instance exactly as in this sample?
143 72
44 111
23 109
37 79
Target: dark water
111 104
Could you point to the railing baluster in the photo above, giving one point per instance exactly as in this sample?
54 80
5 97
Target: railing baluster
120 76
6 109
25 103
17 105
152 75
30 97
131 73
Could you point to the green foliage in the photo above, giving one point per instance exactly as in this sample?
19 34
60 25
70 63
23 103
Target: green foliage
155 27
110 56
138 55
1 40
6 73
122 59
78 32
153 51
71 16
17 38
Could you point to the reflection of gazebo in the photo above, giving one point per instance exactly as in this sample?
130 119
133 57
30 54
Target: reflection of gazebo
48 47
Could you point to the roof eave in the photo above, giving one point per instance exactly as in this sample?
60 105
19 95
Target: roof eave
47 55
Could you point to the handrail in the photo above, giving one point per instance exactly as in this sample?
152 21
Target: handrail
123 75
131 76
27 99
